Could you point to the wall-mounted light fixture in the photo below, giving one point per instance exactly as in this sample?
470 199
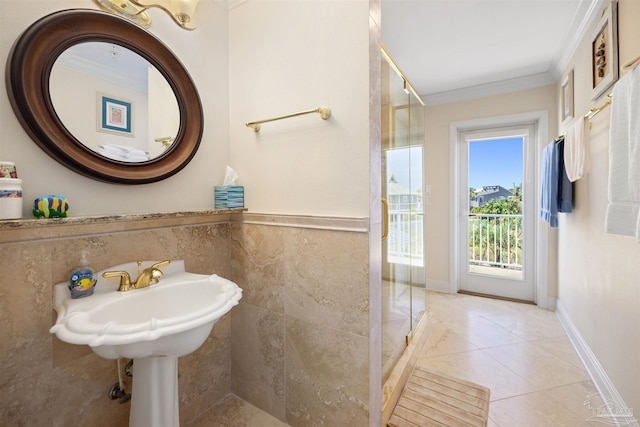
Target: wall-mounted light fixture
182 11
166 141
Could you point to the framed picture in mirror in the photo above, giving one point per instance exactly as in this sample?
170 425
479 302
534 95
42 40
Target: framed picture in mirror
567 96
115 115
604 52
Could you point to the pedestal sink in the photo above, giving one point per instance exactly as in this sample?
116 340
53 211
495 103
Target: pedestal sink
153 325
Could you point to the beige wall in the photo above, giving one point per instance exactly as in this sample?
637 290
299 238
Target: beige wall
289 56
298 340
599 273
52 383
284 57
191 188
437 167
257 60
304 324
300 336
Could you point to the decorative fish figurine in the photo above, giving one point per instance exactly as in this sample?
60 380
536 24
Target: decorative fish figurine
50 207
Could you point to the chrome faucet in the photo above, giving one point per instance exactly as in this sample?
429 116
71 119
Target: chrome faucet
146 277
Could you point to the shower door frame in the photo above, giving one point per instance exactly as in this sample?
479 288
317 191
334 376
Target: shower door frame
399 276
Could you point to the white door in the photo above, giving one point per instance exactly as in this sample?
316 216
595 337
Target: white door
497 212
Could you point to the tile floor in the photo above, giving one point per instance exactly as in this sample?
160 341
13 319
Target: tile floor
400 303
517 350
235 412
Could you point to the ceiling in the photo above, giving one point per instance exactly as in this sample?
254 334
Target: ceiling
451 50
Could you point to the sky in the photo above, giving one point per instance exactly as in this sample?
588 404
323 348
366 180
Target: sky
406 166
491 162
495 162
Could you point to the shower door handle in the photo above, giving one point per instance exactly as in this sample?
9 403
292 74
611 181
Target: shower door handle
385 219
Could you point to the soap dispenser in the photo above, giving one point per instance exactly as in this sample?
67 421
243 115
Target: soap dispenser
82 280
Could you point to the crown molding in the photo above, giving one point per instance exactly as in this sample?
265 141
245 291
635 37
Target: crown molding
490 89
589 10
101 72
232 4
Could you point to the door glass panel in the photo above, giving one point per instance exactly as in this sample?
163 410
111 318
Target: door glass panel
402 250
497 189
495 207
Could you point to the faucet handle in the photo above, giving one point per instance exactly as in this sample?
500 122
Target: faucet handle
155 272
161 264
125 279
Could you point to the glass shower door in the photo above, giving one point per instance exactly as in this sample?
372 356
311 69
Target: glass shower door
402 249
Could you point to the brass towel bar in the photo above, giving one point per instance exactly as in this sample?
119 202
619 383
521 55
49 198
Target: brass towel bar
595 110
324 112
631 64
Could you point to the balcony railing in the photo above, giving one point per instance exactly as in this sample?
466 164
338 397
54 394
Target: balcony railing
405 243
495 240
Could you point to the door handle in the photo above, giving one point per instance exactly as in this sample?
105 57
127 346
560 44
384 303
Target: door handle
385 219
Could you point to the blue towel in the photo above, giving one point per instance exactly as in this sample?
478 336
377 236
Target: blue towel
549 191
557 190
565 186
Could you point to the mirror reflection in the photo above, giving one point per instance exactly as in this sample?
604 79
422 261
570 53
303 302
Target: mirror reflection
114 101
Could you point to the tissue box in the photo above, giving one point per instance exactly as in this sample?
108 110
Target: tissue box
229 196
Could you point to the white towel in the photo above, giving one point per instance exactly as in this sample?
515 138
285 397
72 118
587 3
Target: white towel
124 158
577 154
123 153
113 149
624 158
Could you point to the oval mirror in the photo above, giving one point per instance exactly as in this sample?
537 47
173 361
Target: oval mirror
104 97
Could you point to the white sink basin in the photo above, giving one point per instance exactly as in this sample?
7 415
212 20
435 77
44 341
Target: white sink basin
154 325
170 318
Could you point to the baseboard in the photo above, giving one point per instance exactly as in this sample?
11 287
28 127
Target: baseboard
614 412
477 294
437 285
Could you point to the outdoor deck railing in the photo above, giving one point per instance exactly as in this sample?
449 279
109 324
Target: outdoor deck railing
405 242
495 240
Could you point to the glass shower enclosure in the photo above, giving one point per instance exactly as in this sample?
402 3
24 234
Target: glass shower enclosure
403 274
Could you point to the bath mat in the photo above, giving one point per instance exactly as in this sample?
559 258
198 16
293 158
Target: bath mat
436 399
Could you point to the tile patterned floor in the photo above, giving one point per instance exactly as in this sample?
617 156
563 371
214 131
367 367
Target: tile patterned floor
235 412
519 351
400 303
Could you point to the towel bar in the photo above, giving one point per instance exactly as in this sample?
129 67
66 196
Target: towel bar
631 64
595 110
324 112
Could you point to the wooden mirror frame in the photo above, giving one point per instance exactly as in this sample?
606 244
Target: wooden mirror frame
27 79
